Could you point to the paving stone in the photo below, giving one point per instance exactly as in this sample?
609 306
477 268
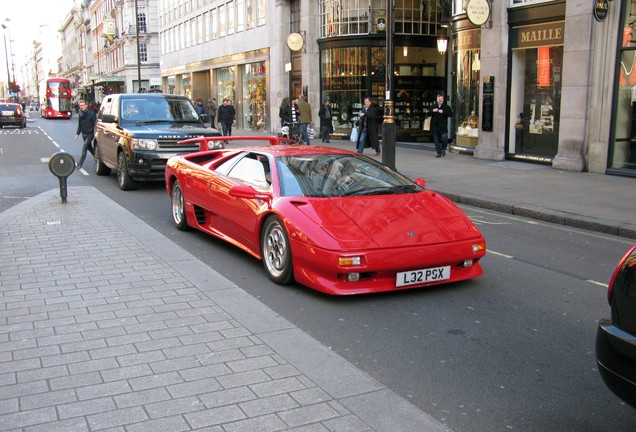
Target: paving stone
50 398
268 405
117 418
74 425
215 416
227 397
308 414
167 424
174 407
271 388
268 423
201 386
101 390
141 397
84 408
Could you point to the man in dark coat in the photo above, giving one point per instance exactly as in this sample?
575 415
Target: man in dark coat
440 113
326 125
86 127
226 114
370 119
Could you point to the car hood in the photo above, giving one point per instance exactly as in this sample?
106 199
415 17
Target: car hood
170 130
384 221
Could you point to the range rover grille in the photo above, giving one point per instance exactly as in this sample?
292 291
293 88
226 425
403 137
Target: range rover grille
171 143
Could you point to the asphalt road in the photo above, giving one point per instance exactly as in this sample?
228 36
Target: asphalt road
513 350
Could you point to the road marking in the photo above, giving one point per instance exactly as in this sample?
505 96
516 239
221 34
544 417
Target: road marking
604 285
500 254
481 221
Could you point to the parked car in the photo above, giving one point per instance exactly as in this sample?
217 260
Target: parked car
12 114
333 220
616 336
136 133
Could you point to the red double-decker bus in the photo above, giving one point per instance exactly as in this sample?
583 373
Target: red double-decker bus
56 99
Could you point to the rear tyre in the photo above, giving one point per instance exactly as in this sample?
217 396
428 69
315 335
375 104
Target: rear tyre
100 167
276 252
123 178
177 205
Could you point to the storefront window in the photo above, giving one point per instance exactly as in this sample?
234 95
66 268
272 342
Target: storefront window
623 150
416 84
225 84
255 96
467 78
535 98
344 83
186 85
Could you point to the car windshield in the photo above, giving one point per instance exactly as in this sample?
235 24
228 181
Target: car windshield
337 175
141 110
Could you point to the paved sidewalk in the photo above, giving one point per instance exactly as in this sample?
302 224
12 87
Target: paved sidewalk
106 325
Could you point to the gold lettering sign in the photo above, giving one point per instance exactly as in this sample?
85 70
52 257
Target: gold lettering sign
538 35
468 40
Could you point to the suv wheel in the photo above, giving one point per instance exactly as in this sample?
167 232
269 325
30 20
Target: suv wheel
123 178
100 167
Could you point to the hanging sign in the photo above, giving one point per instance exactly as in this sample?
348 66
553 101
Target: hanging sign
295 41
601 8
478 12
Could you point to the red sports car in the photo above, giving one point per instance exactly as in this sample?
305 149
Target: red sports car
333 220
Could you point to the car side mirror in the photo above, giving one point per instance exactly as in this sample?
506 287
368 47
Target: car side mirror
108 118
205 118
420 182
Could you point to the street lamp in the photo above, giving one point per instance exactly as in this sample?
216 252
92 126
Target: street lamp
6 55
388 126
138 54
442 44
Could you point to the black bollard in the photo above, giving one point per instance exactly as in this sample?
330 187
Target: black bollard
62 165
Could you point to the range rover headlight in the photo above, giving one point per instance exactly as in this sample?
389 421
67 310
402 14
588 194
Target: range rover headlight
145 144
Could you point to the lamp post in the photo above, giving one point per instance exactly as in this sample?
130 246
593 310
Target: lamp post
388 132
6 55
138 56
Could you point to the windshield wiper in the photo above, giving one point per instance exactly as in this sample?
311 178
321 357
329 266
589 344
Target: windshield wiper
400 189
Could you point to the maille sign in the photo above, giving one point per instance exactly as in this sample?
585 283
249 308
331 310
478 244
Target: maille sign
538 35
601 8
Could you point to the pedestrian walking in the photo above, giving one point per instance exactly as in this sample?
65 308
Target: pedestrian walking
440 113
368 131
227 114
326 125
85 127
304 118
212 111
285 112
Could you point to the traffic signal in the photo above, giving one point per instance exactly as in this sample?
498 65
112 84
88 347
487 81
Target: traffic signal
14 87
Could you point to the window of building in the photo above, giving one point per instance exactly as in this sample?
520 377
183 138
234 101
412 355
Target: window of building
261 13
240 15
249 13
143 52
344 17
141 20
215 23
230 17
295 16
222 21
206 26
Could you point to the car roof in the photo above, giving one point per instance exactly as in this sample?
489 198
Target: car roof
9 104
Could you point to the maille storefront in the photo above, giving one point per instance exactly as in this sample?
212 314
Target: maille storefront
535 90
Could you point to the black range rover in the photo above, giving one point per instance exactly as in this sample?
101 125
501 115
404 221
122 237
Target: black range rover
135 134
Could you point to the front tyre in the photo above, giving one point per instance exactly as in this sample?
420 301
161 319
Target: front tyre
123 178
100 167
276 252
177 204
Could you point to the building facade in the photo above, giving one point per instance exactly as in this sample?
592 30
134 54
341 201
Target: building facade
538 81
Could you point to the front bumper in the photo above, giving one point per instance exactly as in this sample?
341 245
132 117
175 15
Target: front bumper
616 359
318 269
145 165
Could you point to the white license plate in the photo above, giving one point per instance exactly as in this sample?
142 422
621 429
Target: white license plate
7 113
413 277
